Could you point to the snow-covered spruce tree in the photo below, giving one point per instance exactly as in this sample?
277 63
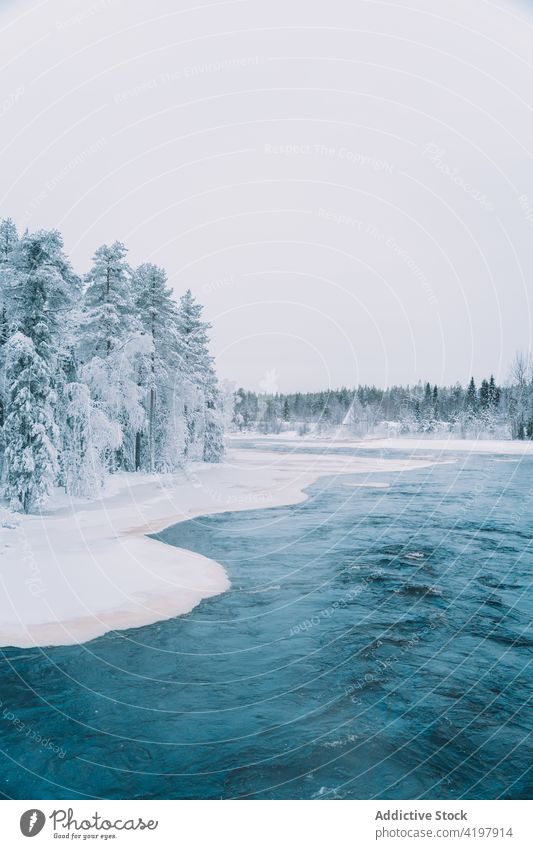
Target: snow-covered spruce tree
213 429
40 290
88 439
8 240
108 302
227 399
471 401
488 402
494 393
203 430
160 447
111 348
31 433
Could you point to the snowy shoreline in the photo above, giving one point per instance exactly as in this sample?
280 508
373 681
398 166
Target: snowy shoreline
83 568
392 443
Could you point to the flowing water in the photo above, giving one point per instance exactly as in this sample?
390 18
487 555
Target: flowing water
376 642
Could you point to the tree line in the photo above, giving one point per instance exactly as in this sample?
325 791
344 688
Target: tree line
99 373
487 409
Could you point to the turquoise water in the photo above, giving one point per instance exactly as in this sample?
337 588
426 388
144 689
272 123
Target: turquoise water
376 642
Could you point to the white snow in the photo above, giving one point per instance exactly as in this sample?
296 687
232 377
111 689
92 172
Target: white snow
83 568
395 443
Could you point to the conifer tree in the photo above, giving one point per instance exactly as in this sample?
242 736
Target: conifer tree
493 393
435 401
40 292
213 448
157 314
31 433
108 302
200 391
484 395
471 397
111 347
8 241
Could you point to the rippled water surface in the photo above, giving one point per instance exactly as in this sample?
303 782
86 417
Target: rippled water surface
376 642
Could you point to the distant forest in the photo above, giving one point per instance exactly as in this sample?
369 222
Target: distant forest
470 411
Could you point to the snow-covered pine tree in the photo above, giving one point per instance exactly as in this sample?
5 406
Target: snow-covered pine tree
108 302
436 408
30 429
493 402
8 240
111 346
161 448
471 404
493 393
89 437
40 291
203 431
213 428
484 395
227 398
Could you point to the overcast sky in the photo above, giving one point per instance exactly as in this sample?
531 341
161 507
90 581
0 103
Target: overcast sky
346 186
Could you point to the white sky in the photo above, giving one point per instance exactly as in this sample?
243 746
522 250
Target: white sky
391 241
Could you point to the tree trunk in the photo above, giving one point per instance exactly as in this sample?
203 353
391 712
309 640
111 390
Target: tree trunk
152 429
138 451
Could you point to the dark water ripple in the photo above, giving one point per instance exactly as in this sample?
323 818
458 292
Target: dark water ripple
375 643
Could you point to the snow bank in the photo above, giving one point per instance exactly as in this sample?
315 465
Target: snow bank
82 569
396 443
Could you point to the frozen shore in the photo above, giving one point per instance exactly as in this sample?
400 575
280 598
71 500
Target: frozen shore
394 443
81 569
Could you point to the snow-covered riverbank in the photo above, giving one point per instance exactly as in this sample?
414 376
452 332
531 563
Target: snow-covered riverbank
81 569
419 442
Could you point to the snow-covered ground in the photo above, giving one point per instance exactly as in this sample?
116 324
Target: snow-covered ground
416 442
83 568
